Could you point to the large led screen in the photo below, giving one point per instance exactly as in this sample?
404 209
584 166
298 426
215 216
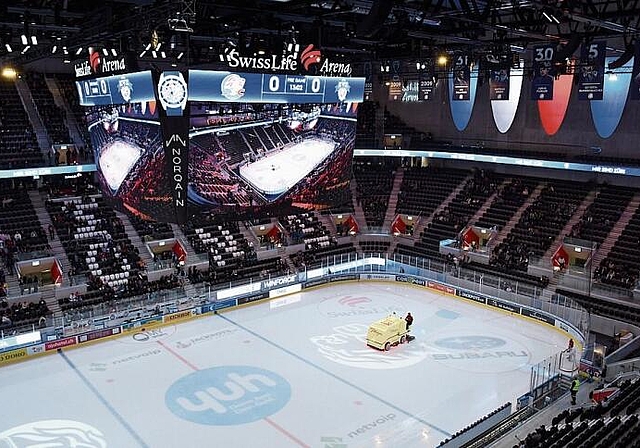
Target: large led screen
127 142
270 158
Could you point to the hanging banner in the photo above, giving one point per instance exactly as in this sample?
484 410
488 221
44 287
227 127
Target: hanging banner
553 111
504 112
543 72
461 110
591 74
634 90
395 90
607 112
367 71
461 78
427 86
499 83
174 120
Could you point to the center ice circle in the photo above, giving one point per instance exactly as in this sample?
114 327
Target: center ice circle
228 395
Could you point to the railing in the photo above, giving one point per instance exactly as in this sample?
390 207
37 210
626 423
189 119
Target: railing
205 294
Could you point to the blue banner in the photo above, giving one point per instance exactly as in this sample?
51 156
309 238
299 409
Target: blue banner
117 89
461 78
607 112
215 86
591 73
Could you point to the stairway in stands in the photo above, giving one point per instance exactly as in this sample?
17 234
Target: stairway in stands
393 198
517 215
69 118
577 215
328 223
250 236
616 231
45 221
482 210
34 117
135 239
425 221
358 213
192 256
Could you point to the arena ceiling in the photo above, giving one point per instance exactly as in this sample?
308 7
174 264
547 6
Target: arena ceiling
359 29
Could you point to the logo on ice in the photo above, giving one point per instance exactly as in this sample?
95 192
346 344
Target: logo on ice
230 395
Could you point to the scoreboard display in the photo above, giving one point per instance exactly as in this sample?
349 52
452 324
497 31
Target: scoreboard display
159 158
215 86
117 89
225 87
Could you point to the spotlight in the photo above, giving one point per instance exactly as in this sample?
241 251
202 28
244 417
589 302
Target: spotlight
442 60
24 39
9 73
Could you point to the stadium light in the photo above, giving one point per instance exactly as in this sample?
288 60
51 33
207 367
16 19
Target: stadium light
24 39
180 55
114 52
8 47
34 40
9 73
54 49
442 60
78 51
25 49
105 52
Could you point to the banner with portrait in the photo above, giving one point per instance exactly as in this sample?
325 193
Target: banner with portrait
461 77
498 66
591 72
427 86
543 72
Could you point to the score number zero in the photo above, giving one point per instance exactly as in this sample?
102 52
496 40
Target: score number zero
273 83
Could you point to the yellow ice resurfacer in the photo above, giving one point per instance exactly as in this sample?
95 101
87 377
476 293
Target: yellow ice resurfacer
392 330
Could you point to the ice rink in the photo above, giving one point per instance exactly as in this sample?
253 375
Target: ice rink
276 173
293 372
116 160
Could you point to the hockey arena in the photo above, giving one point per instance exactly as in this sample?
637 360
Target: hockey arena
300 375
320 224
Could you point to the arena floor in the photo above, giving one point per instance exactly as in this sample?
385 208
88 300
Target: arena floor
293 372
